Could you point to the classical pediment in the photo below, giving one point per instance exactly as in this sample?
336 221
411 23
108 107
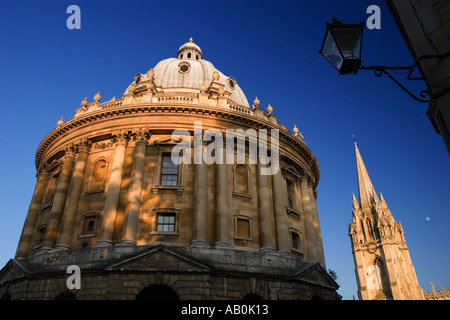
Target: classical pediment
314 273
160 258
12 270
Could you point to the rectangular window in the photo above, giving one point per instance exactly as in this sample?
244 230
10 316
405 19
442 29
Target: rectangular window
169 171
89 225
165 222
295 238
243 228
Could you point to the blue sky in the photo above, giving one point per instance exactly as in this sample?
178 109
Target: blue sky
270 48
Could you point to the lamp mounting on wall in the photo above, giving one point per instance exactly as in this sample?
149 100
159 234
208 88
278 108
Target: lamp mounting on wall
342 46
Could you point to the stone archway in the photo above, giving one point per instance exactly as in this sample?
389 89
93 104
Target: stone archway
157 292
66 296
252 296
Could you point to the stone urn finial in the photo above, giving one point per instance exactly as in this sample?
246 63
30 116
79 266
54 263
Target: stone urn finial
97 97
269 109
60 122
216 75
295 130
256 103
203 87
84 103
150 73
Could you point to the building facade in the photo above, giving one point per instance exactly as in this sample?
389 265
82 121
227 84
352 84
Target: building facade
425 26
383 266
111 199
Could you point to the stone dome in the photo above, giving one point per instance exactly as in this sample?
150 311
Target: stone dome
189 71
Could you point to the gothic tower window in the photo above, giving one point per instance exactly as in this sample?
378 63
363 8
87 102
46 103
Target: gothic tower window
377 274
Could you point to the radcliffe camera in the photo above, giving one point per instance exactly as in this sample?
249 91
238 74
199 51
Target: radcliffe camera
227 157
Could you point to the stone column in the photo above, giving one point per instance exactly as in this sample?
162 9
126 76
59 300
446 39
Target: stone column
113 193
309 221
71 205
60 198
318 234
131 222
200 197
264 211
26 237
279 200
221 197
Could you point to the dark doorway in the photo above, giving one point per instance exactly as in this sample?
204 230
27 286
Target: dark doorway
157 292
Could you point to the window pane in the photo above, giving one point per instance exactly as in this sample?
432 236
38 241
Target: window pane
166 222
169 172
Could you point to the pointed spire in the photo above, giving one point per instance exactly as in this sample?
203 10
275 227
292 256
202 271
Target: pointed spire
365 188
432 287
355 202
383 202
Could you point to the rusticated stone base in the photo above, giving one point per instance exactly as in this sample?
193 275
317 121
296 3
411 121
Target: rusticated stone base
149 272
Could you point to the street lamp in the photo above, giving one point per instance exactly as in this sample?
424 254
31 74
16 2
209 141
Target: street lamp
342 45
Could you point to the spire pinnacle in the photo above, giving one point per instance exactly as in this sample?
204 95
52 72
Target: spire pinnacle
355 202
366 190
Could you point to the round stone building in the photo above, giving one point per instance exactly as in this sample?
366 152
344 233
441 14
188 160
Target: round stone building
178 190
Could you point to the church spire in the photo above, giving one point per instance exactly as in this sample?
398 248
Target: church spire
365 188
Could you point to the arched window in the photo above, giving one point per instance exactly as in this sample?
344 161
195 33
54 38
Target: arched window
374 272
98 175
241 179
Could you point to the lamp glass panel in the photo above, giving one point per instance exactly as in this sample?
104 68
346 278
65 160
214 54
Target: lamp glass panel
331 51
349 41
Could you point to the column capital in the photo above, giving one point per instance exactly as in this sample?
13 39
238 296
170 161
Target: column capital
121 137
141 135
42 171
84 145
69 150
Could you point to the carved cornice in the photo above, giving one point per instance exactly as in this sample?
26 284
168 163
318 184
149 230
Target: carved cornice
196 110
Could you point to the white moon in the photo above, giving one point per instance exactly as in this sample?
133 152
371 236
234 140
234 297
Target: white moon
427 218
